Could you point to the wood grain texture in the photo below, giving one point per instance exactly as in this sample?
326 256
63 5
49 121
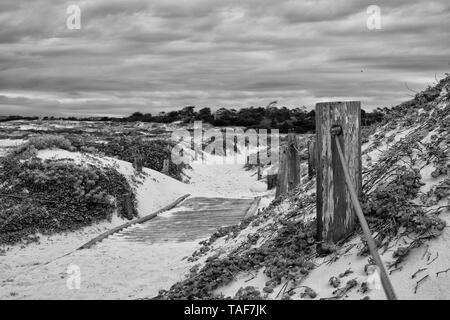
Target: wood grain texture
312 158
271 181
335 212
293 162
282 173
165 168
128 224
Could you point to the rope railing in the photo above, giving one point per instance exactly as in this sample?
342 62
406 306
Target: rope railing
385 281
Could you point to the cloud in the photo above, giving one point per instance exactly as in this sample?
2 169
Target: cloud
163 54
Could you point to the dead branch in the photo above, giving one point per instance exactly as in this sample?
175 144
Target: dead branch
443 271
253 277
419 282
437 256
417 272
341 292
283 287
396 269
423 256
406 85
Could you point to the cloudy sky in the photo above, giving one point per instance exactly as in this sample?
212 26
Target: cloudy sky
157 55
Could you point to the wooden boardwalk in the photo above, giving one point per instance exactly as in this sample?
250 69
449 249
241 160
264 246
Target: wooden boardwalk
194 219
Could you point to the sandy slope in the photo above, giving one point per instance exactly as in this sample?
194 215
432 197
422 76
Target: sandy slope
433 256
116 269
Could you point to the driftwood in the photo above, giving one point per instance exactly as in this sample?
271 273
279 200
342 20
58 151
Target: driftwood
128 224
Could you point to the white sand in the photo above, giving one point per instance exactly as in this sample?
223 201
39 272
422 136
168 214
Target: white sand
117 269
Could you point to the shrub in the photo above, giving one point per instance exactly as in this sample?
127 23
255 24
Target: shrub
53 196
50 141
30 148
153 153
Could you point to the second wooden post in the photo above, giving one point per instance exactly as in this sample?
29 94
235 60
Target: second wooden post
293 162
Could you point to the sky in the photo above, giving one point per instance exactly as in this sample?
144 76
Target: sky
159 55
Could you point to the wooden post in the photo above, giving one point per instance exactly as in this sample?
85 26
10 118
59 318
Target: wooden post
271 181
165 168
259 172
138 164
129 207
282 173
312 158
293 162
335 212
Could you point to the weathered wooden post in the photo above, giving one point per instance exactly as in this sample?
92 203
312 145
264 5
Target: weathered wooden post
293 162
312 158
129 206
138 164
165 168
335 212
271 181
282 172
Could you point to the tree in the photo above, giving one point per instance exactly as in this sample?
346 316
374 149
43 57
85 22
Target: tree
137 116
204 115
147 117
187 114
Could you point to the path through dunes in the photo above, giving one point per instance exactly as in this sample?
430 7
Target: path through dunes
142 259
134 263
194 219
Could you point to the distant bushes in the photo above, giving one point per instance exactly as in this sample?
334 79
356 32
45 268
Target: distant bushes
152 153
284 119
126 148
50 141
30 148
270 117
15 118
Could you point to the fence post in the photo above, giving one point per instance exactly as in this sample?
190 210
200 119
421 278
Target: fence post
138 164
165 168
129 207
282 173
335 212
271 181
293 162
312 158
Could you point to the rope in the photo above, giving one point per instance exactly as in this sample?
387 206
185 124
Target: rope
387 286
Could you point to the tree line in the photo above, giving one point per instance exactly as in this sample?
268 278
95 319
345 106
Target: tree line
271 117
299 119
